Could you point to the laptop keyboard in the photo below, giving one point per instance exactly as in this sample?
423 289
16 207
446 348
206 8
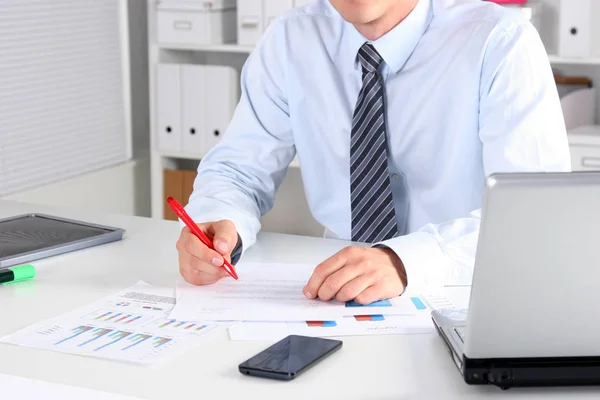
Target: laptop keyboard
460 331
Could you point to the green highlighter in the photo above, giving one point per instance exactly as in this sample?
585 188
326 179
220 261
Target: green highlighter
17 274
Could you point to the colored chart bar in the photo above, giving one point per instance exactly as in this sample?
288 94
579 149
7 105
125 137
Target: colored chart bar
180 324
160 341
98 333
118 335
200 328
167 323
383 303
113 316
137 339
152 308
122 318
103 315
78 331
418 303
190 326
322 324
133 319
365 318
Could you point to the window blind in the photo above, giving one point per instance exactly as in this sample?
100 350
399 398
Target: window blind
62 97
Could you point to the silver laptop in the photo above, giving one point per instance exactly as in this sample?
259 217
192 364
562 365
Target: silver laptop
533 316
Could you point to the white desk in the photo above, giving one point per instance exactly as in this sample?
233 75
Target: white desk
383 367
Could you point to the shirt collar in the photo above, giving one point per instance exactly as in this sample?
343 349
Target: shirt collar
396 46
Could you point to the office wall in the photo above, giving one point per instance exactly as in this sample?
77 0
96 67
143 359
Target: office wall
123 188
290 213
120 189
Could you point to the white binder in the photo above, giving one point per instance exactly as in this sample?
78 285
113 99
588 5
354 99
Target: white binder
250 21
575 28
222 96
274 9
193 109
168 105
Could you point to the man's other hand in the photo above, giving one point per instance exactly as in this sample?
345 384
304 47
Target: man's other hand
365 275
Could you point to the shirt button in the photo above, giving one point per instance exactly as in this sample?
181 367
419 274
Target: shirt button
395 177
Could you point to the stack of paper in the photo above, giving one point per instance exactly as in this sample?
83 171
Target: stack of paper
267 302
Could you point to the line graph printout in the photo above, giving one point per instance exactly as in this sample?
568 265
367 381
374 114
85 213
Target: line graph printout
131 326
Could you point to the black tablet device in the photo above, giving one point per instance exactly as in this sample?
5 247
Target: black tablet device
30 237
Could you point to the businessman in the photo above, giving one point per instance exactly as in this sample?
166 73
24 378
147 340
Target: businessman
397 111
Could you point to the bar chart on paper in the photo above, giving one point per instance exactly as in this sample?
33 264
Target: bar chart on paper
126 345
124 318
175 326
135 331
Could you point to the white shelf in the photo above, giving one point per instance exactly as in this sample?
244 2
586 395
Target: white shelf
245 49
217 48
187 156
571 60
182 156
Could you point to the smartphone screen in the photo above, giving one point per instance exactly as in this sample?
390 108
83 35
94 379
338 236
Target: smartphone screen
289 357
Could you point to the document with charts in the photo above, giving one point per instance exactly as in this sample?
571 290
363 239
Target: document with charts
358 325
273 292
132 326
454 297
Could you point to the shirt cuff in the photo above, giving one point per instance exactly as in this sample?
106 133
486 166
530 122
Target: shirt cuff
425 262
238 250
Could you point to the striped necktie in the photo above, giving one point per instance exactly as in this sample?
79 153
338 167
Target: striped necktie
373 213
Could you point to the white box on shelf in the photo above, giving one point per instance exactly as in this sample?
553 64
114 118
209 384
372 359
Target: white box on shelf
250 24
275 8
168 104
584 144
575 28
196 22
579 107
221 97
193 115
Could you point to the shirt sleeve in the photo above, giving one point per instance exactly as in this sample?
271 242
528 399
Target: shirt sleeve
238 178
521 128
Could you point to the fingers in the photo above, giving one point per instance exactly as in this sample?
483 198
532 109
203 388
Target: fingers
224 235
370 295
198 278
352 289
190 244
322 272
338 280
189 262
199 264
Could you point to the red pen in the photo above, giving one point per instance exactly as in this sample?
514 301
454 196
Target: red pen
181 213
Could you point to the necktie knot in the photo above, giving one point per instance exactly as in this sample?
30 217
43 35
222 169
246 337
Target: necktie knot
369 58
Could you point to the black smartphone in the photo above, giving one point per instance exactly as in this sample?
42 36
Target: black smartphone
289 357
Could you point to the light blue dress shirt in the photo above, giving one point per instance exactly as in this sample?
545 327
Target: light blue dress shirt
469 92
